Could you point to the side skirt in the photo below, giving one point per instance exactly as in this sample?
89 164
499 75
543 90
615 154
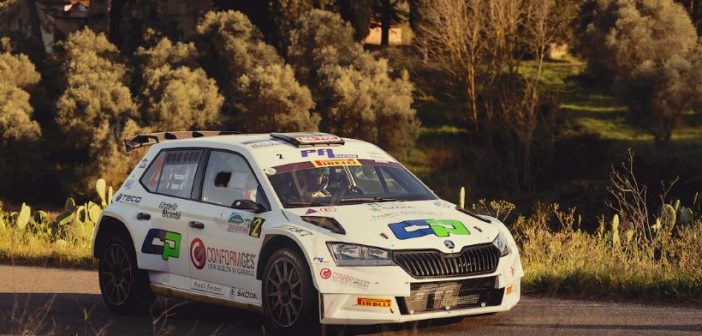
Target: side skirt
179 293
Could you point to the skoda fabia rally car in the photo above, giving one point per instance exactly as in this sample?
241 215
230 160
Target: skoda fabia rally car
309 228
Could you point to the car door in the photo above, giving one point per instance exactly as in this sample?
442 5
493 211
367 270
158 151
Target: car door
225 241
169 180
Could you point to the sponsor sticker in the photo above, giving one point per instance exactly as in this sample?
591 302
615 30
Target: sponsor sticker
124 198
143 163
198 253
424 227
333 163
317 138
206 287
242 294
376 303
261 143
128 184
221 259
328 152
509 290
163 243
319 260
169 210
299 231
344 279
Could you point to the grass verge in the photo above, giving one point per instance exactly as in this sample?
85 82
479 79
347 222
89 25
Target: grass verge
35 249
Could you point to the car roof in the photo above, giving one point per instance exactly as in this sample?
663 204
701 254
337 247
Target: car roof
271 149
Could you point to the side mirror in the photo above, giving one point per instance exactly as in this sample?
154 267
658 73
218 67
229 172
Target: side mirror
248 205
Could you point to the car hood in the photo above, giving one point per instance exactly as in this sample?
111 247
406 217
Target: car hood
404 225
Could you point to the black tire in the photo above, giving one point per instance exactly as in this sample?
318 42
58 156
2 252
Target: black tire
290 300
124 287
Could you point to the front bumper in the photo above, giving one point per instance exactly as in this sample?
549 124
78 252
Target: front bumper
376 295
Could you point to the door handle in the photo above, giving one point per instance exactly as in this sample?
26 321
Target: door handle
143 216
196 225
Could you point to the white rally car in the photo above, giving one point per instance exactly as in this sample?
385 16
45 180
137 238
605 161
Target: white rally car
308 228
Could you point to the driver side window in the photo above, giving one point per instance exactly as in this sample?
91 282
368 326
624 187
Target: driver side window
228 178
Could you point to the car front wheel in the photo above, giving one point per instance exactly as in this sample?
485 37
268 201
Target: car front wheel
124 287
289 297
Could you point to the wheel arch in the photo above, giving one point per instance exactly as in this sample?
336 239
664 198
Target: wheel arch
274 242
109 227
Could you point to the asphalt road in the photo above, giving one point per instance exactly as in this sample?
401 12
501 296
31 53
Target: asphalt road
63 302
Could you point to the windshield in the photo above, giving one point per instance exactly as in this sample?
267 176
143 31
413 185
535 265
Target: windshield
347 181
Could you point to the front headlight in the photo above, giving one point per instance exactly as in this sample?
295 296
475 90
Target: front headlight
501 243
358 255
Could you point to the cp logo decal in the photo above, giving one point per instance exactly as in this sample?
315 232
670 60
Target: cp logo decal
423 227
163 243
325 273
198 253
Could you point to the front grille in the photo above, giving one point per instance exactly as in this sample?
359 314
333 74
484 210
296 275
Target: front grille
434 296
472 260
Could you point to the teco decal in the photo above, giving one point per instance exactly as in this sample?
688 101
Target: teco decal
325 273
198 253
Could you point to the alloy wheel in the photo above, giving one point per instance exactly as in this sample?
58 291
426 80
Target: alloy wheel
284 293
116 274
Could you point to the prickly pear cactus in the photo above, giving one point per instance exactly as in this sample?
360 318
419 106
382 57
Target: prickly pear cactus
25 214
101 189
94 212
70 204
685 216
109 195
668 217
40 221
615 230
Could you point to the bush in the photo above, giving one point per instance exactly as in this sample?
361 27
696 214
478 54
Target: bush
95 111
177 94
261 92
17 74
648 49
358 95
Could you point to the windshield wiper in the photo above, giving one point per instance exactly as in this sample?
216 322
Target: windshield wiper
368 199
303 204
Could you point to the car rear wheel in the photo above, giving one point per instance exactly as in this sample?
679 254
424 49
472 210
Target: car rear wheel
289 297
124 287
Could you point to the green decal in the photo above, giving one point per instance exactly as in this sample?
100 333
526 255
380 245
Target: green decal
444 228
171 245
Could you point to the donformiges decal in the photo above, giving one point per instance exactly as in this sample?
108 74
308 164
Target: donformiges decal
424 227
163 243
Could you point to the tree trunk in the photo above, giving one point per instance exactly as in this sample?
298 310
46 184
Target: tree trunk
385 24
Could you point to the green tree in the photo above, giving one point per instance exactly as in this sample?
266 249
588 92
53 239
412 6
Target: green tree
140 19
256 83
617 36
694 8
284 14
359 14
95 111
649 50
358 95
177 93
17 74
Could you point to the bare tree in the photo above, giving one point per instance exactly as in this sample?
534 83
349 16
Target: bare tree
450 35
483 44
